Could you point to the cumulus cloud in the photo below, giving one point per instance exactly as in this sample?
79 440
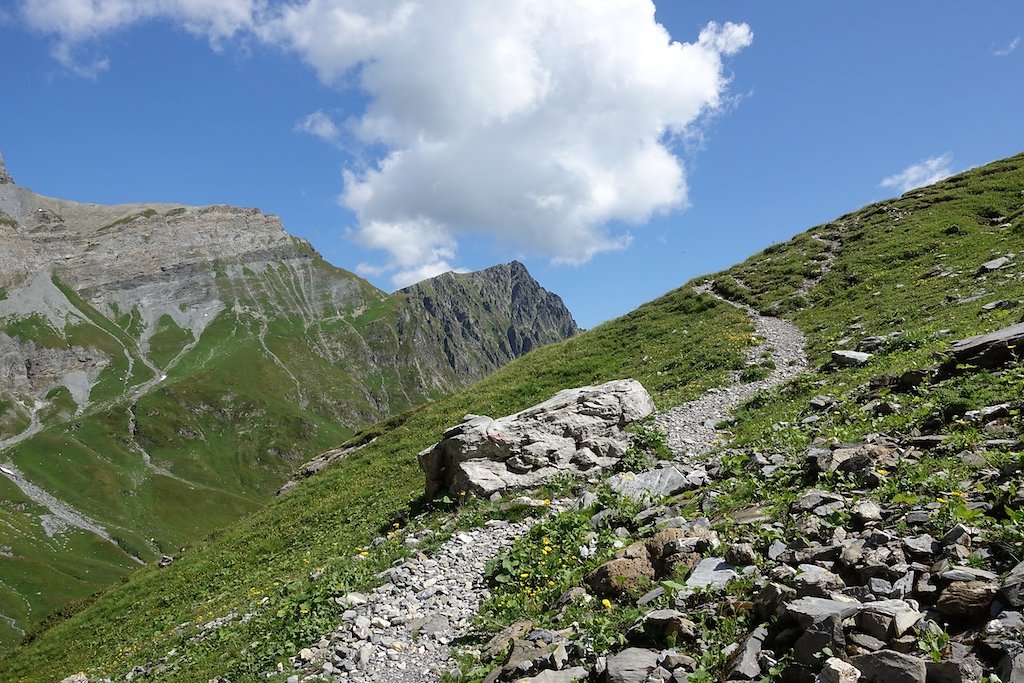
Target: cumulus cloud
1004 51
319 124
924 172
538 124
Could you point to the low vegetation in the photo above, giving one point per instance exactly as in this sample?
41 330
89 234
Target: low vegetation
283 565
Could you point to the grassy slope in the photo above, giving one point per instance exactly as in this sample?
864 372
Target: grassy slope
882 282
322 522
879 281
285 372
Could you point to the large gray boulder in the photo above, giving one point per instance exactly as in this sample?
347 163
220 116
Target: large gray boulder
573 432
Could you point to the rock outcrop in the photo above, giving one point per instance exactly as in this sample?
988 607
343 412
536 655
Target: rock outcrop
484 319
5 177
573 432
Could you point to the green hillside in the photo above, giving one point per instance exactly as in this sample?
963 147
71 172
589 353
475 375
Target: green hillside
150 404
910 265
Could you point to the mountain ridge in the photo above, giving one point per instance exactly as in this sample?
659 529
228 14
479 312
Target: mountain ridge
157 357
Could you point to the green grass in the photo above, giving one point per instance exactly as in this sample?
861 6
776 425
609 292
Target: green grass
168 341
321 523
678 346
33 328
146 213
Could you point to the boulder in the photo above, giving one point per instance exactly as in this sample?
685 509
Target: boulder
966 599
659 625
994 264
576 673
745 664
573 432
661 481
990 350
849 359
836 670
810 610
888 666
632 665
615 577
1013 587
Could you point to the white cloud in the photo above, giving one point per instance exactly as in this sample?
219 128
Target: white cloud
537 124
319 125
63 54
1003 52
924 172
76 21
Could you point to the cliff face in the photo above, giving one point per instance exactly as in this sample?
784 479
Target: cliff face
161 358
482 320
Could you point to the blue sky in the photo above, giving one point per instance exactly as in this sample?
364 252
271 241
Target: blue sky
662 163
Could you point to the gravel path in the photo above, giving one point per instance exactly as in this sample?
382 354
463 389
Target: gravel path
690 428
400 632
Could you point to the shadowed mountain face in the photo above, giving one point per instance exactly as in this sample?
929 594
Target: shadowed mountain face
164 367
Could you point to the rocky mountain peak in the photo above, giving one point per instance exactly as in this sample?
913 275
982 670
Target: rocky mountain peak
5 177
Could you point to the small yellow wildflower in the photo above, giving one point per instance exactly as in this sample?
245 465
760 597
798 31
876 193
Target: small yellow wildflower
942 500
883 472
607 603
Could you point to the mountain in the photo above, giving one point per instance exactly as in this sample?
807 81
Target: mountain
902 279
163 368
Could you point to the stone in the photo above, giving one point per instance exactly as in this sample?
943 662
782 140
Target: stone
888 666
615 577
809 610
79 677
835 670
745 663
661 481
923 546
952 672
632 665
966 599
1011 668
994 264
814 580
849 359
771 600
1012 590
499 644
663 624
865 641
741 554
573 432
901 614
968 574
573 675
821 635
988 351
711 572
866 511
815 500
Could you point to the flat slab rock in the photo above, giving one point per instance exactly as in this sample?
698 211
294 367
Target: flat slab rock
573 432
989 350
661 481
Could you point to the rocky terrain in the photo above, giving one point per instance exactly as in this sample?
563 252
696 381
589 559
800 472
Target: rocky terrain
155 357
845 589
828 490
